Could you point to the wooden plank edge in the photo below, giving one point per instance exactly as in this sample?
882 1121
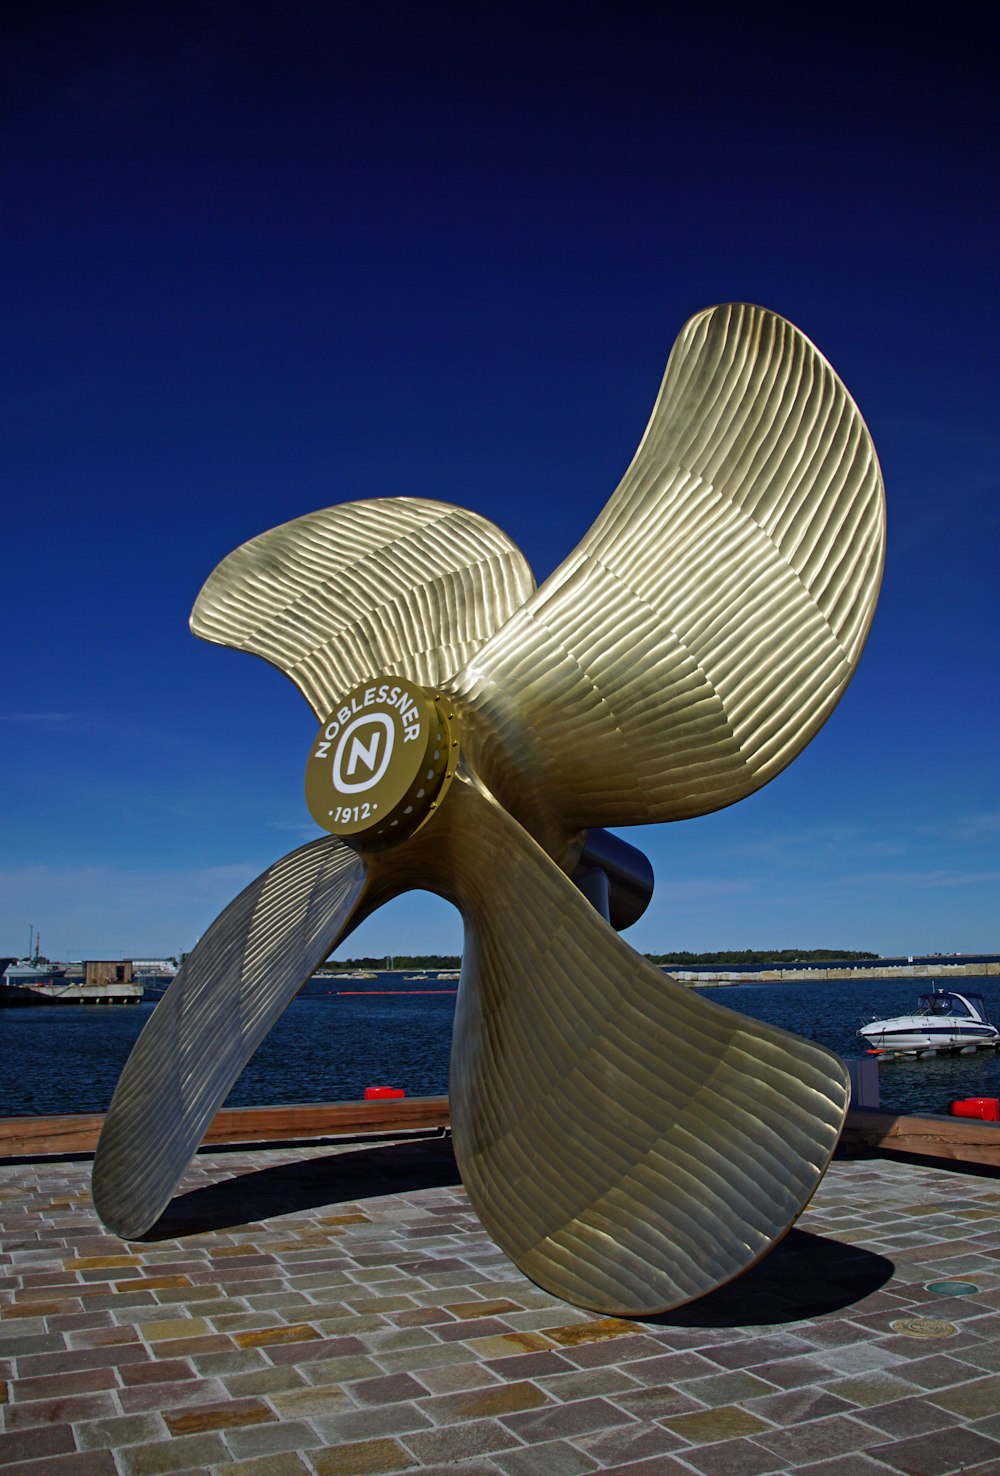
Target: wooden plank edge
958 1139
40 1137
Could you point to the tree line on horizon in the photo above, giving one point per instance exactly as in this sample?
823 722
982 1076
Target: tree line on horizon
403 961
399 962
757 956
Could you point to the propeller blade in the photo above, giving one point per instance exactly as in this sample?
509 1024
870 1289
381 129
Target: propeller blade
709 621
629 1144
229 992
396 586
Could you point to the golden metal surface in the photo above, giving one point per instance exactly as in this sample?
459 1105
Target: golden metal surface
708 622
628 1144
397 585
379 765
228 993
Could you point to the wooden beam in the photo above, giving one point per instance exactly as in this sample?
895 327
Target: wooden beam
329 1120
39 1137
960 1139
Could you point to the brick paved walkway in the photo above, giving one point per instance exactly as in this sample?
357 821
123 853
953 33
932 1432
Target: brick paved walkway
340 1311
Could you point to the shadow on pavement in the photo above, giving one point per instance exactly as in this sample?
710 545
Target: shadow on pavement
308 1183
805 1275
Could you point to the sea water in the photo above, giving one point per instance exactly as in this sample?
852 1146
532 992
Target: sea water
340 1036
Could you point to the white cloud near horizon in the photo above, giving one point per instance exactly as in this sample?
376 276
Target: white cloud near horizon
937 878
984 826
107 911
50 720
303 829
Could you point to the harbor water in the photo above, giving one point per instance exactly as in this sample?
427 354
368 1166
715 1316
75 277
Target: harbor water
342 1035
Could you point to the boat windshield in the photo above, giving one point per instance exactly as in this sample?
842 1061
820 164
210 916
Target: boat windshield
943 1004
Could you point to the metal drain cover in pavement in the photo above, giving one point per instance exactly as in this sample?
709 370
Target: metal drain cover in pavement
923 1327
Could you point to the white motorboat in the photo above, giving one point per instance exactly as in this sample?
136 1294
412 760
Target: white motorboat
942 1021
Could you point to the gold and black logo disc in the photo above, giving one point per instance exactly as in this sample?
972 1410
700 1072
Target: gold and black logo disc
380 762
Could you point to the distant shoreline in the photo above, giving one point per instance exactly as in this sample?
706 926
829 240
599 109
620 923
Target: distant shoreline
938 972
939 968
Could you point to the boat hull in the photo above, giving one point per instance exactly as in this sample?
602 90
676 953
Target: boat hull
944 1021
902 1035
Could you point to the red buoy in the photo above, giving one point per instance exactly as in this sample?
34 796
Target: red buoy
986 1109
377 1094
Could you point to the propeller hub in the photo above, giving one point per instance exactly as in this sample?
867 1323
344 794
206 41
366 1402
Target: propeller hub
381 761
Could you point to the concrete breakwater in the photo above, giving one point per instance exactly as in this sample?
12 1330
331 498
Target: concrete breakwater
937 971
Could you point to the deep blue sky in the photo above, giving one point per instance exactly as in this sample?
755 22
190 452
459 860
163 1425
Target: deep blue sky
258 259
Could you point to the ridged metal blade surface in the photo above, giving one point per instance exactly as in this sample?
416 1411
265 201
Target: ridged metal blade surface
707 624
630 1145
394 586
229 992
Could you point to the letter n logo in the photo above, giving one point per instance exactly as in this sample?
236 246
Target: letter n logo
363 753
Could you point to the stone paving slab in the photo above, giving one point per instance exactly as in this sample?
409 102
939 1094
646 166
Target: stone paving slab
339 1310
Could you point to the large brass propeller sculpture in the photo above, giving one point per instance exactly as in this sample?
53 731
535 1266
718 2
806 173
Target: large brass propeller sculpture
630 1145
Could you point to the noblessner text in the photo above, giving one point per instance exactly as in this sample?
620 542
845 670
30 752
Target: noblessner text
382 696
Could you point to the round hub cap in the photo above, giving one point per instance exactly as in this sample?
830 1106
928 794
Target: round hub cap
380 762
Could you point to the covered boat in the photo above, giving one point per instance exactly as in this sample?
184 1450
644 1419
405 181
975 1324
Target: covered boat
942 1021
